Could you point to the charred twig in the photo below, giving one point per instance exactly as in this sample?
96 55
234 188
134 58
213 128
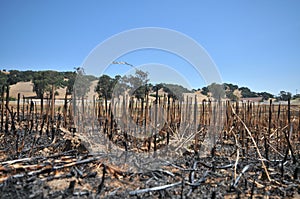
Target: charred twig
200 181
100 187
192 177
290 146
215 167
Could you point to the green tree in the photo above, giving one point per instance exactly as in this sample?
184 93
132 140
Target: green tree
119 86
231 87
82 83
246 92
6 79
138 83
205 90
175 91
44 80
3 82
230 95
40 84
284 96
70 77
105 87
297 96
266 95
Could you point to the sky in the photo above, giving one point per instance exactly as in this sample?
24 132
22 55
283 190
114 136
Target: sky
252 43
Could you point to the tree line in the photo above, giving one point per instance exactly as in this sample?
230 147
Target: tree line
227 90
138 85
45 83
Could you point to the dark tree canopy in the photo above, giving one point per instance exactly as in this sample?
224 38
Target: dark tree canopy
137 83
228 86
175 91
246 92
82 83
44 80
229 91
284 96
266 95
70 77
105 87
204 90
297 96
3 82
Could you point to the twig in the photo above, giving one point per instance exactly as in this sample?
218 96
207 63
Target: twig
154 188
276 150
35 158
49 168
165 172
238 178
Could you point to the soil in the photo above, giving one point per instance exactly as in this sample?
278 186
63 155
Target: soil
64 168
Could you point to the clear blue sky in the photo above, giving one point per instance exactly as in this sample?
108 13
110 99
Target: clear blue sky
254 43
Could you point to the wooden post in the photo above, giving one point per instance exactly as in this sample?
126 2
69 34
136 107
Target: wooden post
83 112
42 105
155 119
146 113
195 125
18 108
93 113
269 132
65 109
168 120
6 110
52 102
2 107
74 111
202 118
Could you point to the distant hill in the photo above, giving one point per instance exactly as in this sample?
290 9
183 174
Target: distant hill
24 82
32 83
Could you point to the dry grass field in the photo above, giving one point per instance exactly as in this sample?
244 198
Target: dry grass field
244 150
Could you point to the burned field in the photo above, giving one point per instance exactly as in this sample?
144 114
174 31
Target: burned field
189 149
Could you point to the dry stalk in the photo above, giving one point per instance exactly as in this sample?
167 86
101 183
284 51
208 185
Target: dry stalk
255 145
237 156
276 150
189 138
